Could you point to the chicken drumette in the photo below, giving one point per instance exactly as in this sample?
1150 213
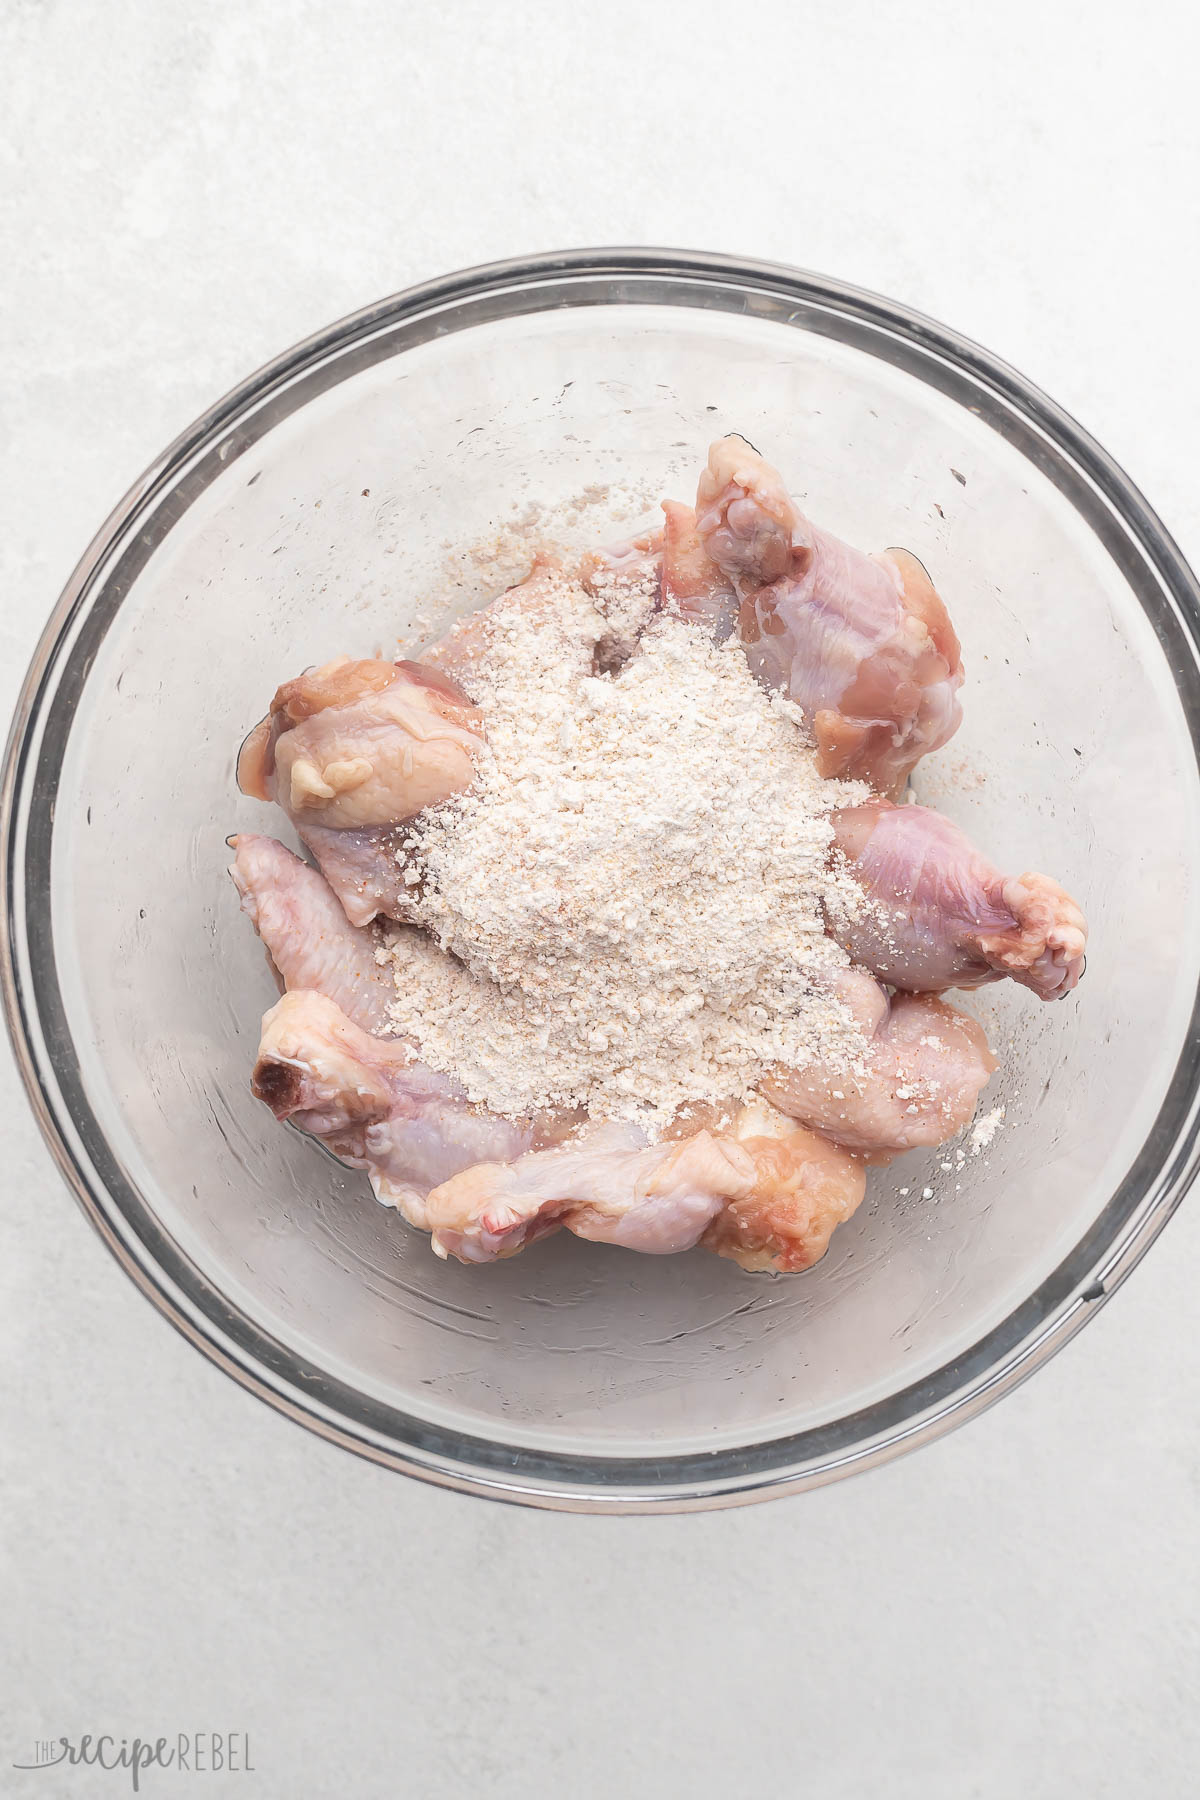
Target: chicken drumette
486 1186
372 1103
862 644
915 1085
939 915
309 942
322 1061
618 590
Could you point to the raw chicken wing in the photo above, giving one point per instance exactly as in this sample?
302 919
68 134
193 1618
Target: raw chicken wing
803 1188
366 868
917 1084
457 652
941 915
625 583
323 1061
863 645
353 750
692 584
766 1195
657 1199
308 939
371 1104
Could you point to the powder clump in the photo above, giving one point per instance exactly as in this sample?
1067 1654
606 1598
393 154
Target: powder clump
632 893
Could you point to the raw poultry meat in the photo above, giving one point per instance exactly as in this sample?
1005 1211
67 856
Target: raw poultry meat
862 644
373 1105
322 1064
941 915
622 582
657 1197
321 1060
369 869
692 584
625 584
353 750
308 939
766 1196
457 652
634 562
917 1084
804 1187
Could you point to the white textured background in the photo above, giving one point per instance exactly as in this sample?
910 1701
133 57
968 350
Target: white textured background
186 189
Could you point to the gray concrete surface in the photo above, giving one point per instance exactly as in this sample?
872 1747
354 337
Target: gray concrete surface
184 191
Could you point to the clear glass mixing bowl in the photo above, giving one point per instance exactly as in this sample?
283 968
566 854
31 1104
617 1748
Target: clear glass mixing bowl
314 511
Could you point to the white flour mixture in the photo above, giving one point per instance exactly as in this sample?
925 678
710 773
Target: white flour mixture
632 891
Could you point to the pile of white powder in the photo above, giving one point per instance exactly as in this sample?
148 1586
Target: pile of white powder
632 890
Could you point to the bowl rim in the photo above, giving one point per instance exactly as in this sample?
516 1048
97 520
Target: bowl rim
1006 1355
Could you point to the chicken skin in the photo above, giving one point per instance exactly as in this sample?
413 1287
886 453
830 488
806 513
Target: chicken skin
309 941
916 1085
692 584
862 644
353 750
324 1065
804 1187
457 652
372 1104
658 1198
941 915
324 1061
766 1195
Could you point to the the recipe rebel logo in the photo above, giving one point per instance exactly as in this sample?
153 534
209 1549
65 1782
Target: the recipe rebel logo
192 1753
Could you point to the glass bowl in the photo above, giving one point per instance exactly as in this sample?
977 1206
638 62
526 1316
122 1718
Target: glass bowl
317 509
